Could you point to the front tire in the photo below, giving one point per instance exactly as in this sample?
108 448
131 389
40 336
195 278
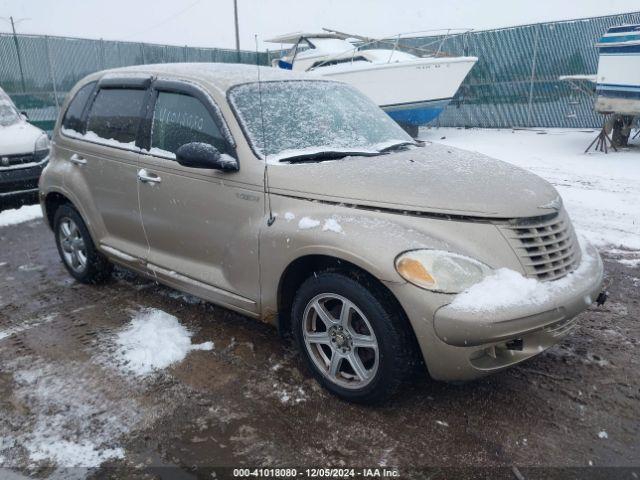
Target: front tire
357 346
76 248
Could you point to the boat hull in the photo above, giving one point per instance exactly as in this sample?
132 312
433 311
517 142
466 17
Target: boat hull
414 92
417 113
618 80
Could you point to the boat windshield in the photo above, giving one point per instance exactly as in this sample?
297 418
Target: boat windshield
289 119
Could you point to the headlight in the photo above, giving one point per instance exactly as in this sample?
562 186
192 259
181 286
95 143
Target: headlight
440 271
41 149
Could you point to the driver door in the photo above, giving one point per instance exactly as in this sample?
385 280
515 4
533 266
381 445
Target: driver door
202 236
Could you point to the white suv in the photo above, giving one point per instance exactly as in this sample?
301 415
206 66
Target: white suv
24 151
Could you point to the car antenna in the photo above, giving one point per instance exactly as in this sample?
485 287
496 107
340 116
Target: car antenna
265 178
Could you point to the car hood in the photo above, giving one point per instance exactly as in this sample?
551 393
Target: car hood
429 179
18 138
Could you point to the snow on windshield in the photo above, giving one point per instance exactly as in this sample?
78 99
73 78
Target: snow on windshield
289 118
8 113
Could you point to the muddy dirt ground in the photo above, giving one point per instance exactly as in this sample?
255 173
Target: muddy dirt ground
250 402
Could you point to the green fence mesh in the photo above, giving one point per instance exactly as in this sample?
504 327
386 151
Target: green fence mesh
38 71
514 84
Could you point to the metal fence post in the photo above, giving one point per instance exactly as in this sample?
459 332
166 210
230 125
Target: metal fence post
51 74
533 74
15 41
101 54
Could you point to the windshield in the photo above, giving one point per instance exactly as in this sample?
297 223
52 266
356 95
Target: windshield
303 117
8 113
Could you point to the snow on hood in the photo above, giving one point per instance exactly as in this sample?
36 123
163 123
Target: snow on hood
433 178
18 138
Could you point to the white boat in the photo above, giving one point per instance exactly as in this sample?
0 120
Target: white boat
618 78
412 89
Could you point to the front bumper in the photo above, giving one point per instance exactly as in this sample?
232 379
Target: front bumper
463 345
20 181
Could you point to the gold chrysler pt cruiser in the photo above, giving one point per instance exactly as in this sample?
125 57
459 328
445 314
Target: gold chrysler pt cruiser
297 201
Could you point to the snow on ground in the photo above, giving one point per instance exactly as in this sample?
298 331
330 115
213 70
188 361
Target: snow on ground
66 412
601 191
20 215
153 340
73 419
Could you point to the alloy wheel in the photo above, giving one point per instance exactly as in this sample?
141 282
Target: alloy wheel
340 341
74 250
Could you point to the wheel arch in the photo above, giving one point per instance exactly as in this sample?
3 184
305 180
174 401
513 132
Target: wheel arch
52 201
303 267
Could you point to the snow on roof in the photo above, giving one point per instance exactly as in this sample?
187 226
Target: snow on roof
223 76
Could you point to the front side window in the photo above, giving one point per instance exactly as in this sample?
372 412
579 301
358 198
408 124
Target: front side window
73 117
179 119
115 115
285 119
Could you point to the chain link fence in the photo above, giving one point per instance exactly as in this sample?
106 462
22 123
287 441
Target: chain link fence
38 71
515 82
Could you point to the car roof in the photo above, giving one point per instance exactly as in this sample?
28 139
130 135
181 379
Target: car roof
222 76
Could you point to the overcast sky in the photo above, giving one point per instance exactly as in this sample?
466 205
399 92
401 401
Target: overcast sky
210 22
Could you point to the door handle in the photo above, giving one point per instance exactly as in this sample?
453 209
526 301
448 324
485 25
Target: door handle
77 159
146 177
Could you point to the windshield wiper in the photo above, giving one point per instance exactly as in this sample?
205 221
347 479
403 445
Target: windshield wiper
327 155
397 146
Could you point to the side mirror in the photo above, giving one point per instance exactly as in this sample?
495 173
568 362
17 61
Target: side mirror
25 115
204 155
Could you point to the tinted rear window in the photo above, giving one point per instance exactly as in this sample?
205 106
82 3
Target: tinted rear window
73 117
115 114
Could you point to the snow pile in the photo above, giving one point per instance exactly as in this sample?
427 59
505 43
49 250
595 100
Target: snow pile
600 191
503 289
20 215
507 288
154 340
306 223
288 216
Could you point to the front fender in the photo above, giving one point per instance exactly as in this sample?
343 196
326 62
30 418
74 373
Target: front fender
368 239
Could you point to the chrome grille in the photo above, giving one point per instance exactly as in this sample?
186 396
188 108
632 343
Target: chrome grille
546 246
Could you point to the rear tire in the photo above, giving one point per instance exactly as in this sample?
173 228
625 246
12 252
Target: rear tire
76 248
362 355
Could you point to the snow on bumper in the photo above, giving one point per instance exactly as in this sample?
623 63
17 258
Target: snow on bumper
492 311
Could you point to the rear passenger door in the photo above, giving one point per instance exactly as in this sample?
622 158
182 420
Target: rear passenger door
202 231
104 161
